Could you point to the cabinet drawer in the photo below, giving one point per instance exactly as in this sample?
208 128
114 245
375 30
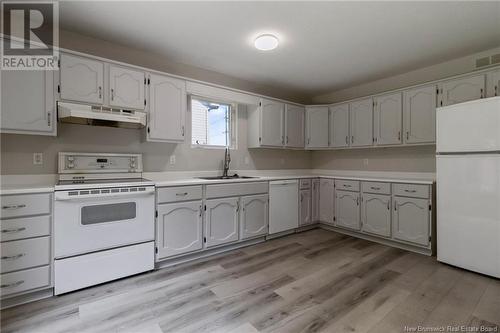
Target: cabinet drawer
236 189
28 279
411 190
347 185
24 228
305 184
23 254
376 187
180 193
25 204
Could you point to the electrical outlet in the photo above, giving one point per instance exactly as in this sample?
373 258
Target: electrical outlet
365 162
37 158
172 159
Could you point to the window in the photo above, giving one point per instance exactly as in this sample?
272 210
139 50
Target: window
211 123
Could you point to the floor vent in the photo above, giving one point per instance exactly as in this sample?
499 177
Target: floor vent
495 59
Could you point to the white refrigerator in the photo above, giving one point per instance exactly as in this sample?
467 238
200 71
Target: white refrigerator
468 185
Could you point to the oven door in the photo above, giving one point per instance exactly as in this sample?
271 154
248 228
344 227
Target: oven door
93 222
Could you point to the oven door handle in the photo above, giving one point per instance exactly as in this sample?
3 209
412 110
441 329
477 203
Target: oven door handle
63 197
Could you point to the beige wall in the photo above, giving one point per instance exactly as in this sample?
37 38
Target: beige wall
17 150
403 159
411 159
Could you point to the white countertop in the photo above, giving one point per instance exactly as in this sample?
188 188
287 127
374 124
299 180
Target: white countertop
20 184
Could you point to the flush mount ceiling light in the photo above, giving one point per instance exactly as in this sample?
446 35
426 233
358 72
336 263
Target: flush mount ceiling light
266 42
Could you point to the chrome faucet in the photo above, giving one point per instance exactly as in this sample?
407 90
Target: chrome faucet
227 160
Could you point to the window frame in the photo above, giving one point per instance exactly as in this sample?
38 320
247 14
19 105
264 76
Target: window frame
233 122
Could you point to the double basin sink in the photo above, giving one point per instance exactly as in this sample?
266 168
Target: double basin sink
235 176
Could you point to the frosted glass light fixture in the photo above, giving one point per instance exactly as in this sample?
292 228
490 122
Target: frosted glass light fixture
266 42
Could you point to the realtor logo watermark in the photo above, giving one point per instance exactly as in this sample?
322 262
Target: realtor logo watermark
30 33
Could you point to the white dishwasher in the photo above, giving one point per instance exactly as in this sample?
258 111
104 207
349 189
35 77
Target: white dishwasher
283 205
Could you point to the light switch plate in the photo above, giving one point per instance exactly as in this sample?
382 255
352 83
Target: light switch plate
172 159
37 158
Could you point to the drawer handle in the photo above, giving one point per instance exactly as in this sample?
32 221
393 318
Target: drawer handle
17 256
181 194
411 191
14 206
9 231
10 285
375 188
345 185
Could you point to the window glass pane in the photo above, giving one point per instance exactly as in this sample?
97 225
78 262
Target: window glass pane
211 123
108 213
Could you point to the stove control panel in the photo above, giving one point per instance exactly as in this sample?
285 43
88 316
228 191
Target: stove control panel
99 163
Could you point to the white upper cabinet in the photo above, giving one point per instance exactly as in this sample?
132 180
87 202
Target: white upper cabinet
419 114
347 209
462 90
294 126
167 108
179 228
376 214
27 102
387 117
326 200
82 79
361 116
254 216
305 216
493 83
271 123
221 221
317 127
411 220
126 88
339 125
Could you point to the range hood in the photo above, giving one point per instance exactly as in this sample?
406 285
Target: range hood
100 116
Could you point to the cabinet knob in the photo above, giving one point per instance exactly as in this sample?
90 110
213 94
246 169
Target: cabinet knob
112 94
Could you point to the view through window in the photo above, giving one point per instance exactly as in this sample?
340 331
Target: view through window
211 123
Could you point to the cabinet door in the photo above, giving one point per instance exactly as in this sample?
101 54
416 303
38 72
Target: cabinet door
126 88
326 200
305 207
167 109
317 127
179 228
81 79
271 123
347 209
410 220
376 214
462 90
361 121
221 221
387 117
339 125
294 121
315 200
27 102
419 114
493 83
254 216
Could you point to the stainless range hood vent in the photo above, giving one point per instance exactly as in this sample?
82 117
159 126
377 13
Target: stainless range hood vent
100 116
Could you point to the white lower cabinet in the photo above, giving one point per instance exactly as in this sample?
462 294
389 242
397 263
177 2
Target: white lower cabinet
221 221
376 214
305 207
179 228
347 209
315 200
254 216
326 200
410 221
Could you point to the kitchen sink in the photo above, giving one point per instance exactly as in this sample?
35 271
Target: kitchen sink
235 176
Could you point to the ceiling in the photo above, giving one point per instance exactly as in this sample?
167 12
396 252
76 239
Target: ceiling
324 46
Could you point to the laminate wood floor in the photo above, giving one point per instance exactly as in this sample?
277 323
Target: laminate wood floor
315 281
